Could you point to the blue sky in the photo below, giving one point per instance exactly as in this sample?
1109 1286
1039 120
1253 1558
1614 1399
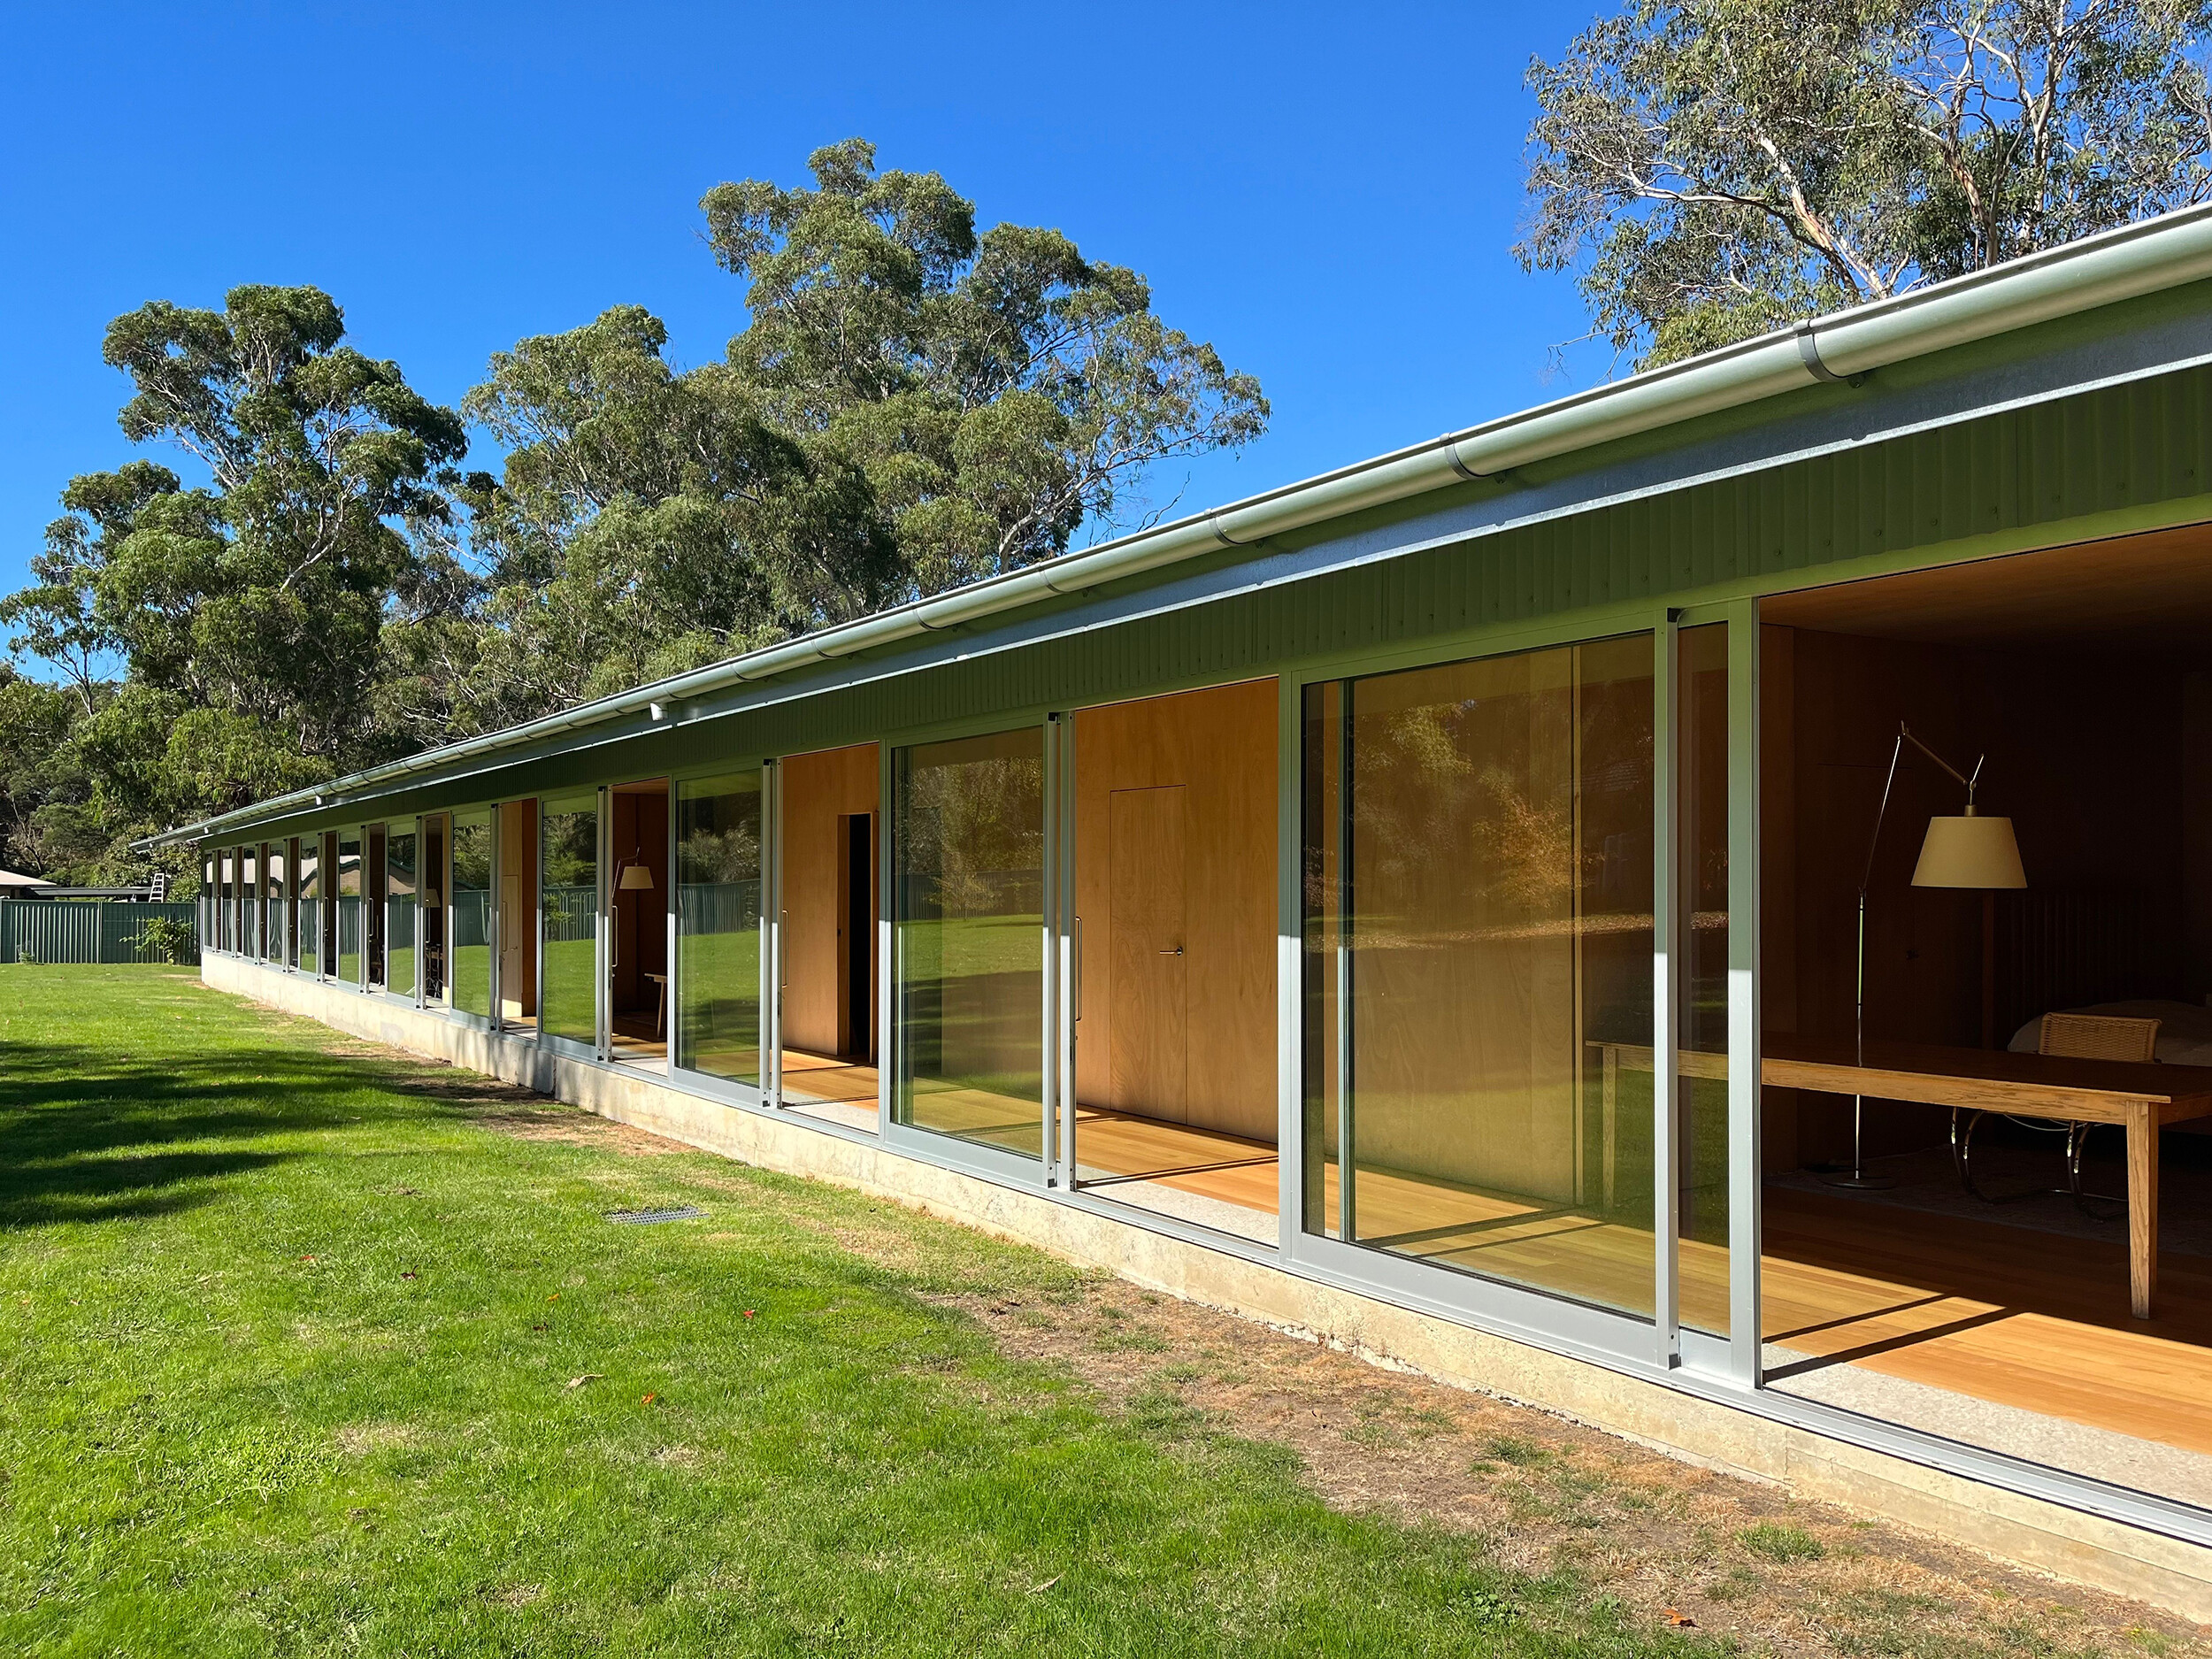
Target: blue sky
1329 195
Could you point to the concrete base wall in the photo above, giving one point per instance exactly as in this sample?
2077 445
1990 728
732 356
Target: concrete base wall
2029 1532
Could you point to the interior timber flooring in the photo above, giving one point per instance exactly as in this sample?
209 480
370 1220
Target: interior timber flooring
2019 1320
637 1042
2016 1327
1216 1180
837 1091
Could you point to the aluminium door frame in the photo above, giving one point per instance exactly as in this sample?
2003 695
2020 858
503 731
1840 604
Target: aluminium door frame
1735 1360
728 1091
604 940
1548 1320
950 1151
1063 924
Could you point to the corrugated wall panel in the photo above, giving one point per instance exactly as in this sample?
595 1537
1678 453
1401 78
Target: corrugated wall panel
84 929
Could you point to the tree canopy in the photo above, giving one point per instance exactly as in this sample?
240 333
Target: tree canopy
1713 169
221 641
911 403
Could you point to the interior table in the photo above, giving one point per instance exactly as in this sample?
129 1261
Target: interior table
2141 1097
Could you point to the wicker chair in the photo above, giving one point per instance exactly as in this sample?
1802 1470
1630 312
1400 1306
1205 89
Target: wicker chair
2079 1037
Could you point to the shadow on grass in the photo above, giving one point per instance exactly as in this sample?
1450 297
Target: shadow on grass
91 1135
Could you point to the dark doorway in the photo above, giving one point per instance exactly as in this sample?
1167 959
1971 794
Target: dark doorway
856 936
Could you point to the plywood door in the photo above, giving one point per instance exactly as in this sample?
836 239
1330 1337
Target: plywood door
1220 745
1145 834
821 792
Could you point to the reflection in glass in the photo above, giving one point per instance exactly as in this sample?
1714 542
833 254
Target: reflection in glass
279 868
373 895
400 882
311 901
349 918
1702 1102
1477 892
570 860
472 923
225 899
430 908
718 926
969 938
249 901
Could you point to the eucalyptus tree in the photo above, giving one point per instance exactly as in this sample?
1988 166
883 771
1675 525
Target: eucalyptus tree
222 639
912 404
1712 169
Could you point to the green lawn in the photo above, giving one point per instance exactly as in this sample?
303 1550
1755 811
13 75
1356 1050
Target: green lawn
285 1337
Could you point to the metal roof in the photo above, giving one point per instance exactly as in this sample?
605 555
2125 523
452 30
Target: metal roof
2103 270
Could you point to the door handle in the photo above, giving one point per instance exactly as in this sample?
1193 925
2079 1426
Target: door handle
1176 952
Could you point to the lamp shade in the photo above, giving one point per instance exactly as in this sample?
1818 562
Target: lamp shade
636 879
1969 852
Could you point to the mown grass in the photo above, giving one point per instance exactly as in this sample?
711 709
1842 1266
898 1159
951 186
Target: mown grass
287 1342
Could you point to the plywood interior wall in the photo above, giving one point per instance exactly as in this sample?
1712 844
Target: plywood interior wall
518 909
1219 747
637 827
819 791
2089 754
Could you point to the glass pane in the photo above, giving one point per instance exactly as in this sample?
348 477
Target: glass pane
400 878
227 895
280 910
265 905
295 859
249 901
430 908
472 922
349 900
1701 1105
1325 961
1478 875
969 938
372 896
311 891
718 926
571 863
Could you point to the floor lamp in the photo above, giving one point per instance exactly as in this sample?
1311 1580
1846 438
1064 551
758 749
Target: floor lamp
1967 851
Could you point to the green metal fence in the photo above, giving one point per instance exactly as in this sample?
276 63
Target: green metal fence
87 930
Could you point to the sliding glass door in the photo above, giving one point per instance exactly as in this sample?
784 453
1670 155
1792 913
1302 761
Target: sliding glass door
469 930
1478 896
719 839
570 907
402 951
311 905
970 879
352 924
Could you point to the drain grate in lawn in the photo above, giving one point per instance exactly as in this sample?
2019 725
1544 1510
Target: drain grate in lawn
647 1217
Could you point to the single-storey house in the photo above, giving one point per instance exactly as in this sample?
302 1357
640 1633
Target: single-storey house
1691 905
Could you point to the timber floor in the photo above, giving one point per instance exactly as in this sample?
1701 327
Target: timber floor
2012 1316
2017 1319
823 1076
836 1090
1113 1149
637 1040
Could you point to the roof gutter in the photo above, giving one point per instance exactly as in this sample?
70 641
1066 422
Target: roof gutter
2101 270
